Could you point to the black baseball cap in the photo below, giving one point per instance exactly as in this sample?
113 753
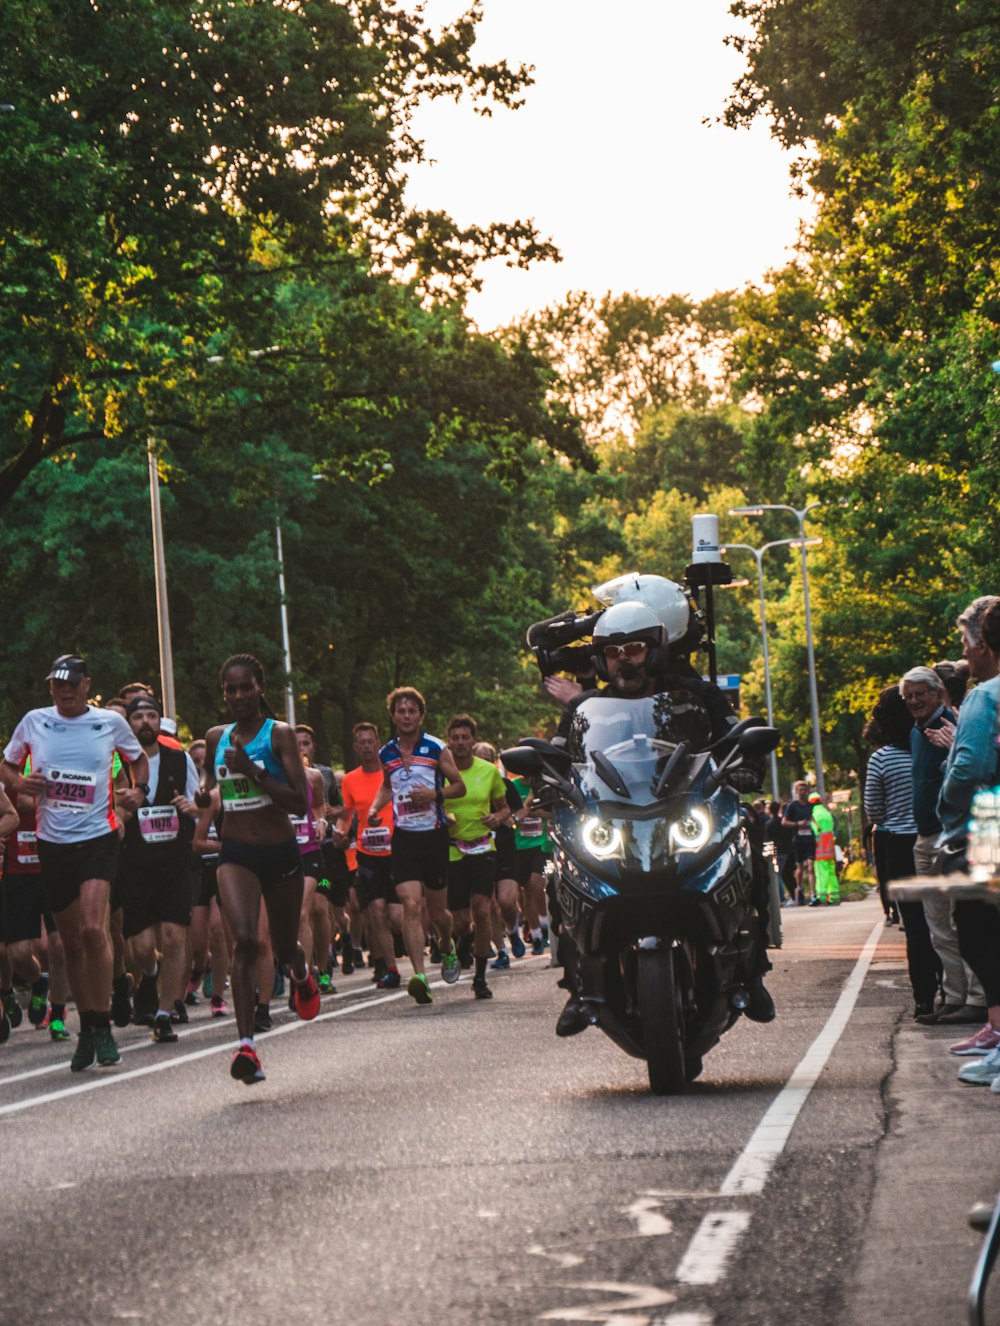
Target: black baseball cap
68 667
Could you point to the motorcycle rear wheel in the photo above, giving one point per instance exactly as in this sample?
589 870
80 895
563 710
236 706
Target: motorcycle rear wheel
660 1015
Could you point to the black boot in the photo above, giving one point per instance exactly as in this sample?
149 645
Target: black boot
575 1017
761 1005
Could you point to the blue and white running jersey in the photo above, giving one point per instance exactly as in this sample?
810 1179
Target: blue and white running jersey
424 771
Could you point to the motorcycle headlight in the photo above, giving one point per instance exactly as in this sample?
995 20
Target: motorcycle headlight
692 831
601 839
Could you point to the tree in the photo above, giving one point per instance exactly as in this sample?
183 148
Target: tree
154 145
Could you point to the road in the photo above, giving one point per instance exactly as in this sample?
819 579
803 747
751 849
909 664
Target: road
459 1164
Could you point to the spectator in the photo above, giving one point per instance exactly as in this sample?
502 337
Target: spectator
888 800
971 763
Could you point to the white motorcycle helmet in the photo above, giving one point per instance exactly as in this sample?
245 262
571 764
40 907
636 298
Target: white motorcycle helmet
624 622
665 598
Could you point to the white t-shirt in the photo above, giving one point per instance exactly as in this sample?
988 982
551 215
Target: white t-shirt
75 755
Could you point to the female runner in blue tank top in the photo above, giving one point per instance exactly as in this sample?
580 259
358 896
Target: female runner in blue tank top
255 763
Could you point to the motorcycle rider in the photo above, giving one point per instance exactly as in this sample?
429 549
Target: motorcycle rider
631 651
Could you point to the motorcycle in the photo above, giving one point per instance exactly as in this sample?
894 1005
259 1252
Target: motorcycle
652 872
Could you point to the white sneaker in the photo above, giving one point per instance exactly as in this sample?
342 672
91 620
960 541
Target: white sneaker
995 1086
983 1072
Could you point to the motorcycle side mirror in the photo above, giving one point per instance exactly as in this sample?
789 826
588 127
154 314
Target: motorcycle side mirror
522 760
736 731
759 740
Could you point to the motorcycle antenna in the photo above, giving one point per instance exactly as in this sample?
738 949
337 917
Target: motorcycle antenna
706 570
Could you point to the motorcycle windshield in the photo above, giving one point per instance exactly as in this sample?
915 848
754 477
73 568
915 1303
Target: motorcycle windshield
636 736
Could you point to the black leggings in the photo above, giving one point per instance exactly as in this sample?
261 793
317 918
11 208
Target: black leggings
894 860
978 926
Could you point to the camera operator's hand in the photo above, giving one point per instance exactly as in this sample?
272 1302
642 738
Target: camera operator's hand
562 689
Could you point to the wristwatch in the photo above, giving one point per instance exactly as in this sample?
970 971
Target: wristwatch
143 788
258 776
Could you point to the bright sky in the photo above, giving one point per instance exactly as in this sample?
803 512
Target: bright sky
610 156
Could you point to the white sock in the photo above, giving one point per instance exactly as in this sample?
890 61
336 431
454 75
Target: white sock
246 1043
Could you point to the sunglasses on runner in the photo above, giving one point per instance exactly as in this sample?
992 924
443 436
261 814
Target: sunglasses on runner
631 649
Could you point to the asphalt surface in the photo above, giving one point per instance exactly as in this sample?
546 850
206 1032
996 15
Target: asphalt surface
459 1164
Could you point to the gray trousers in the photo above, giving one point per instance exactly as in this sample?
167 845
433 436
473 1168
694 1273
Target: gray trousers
959 983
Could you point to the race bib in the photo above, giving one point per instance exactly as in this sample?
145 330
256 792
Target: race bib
474 846
66 789
301 826
239 793
376 838
404 809
531 826
158 824
26 848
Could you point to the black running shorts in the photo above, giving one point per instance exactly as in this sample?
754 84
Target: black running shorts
471 875
374 880
24 909
152 896
65 866
420 854
272 863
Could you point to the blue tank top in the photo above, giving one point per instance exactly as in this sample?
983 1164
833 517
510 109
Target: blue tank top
237 792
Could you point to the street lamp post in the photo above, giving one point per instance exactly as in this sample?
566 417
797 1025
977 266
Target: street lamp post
160 576
758 555
800 516
286 643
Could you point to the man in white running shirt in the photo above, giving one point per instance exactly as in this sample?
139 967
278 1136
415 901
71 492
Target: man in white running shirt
71 747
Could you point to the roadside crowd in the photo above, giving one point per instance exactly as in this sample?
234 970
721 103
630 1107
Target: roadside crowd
935 757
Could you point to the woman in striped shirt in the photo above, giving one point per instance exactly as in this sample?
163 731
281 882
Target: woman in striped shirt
889 805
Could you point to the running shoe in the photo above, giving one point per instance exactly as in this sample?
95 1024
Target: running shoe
537 946
451 967
191 994
220 1009
12 1008
206 984
983 1072
480 989
180 1013
390 981
262 1018
347 962
163 1030
502 963
464 950
545 934
107 1048
121 1000
417 987
85 1052
57 1030
517 944
306 997
245 1066
278 989
435 951
39 1005
324 983
985 1040
4 1025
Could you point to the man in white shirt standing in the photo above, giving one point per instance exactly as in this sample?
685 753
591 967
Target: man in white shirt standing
71 747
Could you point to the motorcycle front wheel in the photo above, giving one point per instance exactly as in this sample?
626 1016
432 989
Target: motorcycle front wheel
660 1016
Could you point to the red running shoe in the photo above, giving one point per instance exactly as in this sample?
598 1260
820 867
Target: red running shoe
246 1066
306 996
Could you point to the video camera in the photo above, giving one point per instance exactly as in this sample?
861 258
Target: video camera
554 647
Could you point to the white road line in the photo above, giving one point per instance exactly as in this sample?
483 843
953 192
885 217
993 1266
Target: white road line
96 1083
217 1024
750 1172
196 1029
706 1260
